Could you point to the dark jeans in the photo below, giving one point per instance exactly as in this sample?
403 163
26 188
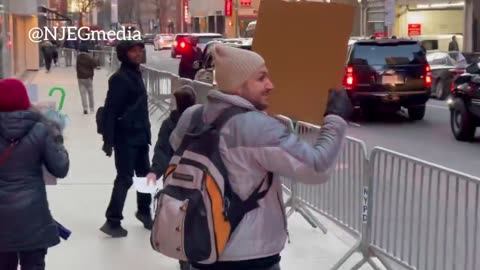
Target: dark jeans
29 260
48 62
129 160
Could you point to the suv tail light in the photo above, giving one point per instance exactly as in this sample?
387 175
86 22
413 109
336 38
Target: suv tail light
349 79
428 76
175 43
182 44
456 72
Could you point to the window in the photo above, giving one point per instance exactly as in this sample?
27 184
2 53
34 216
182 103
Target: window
206 39
387 54
430 45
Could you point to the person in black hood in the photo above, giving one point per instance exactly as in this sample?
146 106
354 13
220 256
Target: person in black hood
127 133
192 53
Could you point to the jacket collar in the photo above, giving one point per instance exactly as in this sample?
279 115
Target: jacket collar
217 102
232 100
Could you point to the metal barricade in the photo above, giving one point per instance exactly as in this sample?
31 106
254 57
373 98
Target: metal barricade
159 85
340 198
421 215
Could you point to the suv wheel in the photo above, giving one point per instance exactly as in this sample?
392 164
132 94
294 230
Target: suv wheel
462 122
441 91
416 113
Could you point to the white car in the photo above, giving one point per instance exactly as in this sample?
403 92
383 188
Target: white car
162 41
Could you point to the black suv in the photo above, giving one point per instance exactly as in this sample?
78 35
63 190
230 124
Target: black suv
464 103
388 74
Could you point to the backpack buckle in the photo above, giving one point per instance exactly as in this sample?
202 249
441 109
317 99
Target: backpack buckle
226 206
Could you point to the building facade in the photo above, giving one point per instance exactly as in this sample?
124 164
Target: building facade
18 53
231 17
408 18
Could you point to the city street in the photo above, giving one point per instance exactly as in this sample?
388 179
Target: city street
430 139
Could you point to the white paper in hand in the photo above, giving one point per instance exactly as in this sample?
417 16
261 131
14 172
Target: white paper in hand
141 185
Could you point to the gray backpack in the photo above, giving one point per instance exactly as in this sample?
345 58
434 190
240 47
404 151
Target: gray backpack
197 211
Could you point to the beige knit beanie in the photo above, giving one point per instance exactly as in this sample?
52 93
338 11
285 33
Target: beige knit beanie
234 66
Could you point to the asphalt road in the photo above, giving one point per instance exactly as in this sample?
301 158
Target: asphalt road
429 139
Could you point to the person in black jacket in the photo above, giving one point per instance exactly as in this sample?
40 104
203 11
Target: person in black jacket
28 142
184 97
127 132
186 67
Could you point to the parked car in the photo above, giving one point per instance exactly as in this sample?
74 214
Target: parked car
162 41
179 44
205 67
148 38
464 104
205 38
445 68
388 74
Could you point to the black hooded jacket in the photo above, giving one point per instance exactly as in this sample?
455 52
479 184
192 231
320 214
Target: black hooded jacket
126 113
25 219
163 150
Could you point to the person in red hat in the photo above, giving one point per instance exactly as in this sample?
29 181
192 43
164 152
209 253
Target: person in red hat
28 142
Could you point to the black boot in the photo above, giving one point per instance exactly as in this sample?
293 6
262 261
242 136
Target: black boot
146 219
114 231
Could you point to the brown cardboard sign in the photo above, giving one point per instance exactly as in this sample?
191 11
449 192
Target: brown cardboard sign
305 47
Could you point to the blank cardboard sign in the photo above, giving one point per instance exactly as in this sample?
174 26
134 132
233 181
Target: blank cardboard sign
305 47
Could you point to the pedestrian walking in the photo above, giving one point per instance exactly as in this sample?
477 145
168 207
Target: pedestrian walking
55 51
28 142
184 98
127 134
252 146
86 65
48 52
453 45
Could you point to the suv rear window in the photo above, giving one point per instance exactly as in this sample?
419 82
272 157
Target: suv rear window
206 39
178 37
387 54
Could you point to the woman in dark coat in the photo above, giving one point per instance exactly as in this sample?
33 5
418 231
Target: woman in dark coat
27 143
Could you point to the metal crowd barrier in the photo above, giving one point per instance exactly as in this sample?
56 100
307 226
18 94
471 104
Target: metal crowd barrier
423 216
159 85
106 58
401 210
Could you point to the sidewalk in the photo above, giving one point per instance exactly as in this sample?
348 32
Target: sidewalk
80 200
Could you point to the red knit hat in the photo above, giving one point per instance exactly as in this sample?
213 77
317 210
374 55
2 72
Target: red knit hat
13 96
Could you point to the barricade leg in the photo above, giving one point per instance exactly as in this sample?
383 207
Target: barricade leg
296 205
347 255
310 218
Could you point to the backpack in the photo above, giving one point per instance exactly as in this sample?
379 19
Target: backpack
197 211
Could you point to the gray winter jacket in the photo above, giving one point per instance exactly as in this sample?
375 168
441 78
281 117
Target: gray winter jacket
253 144
25 219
